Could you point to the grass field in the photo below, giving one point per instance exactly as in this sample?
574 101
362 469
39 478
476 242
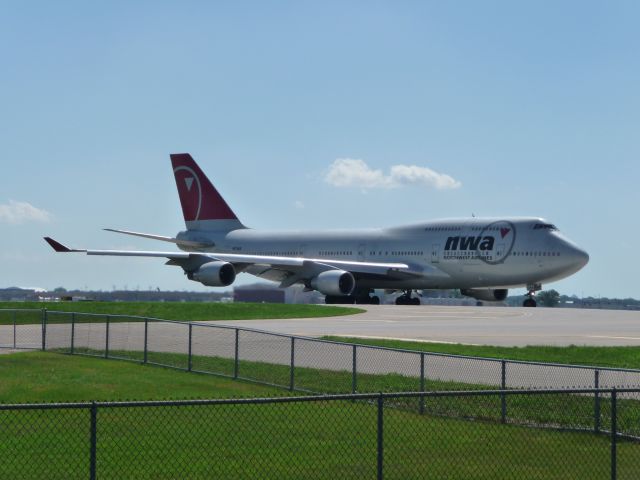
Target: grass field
36 377
320 439
569 411
184 311
614 357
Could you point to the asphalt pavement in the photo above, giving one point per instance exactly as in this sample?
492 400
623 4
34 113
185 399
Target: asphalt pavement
471 325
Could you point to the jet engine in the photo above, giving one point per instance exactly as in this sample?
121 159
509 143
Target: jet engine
486 294
214 274
334 282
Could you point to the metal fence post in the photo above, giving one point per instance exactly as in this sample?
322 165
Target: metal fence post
106 341
14 329
73 332
190 361
422 382
293 364
354 374
146 338
237 357
44 329
614 432
503 397
93 440
596 402
380 436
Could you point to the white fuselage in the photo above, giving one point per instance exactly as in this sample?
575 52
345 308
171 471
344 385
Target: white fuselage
458 253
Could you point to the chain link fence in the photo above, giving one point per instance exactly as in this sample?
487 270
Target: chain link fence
547 434
542 421
296 363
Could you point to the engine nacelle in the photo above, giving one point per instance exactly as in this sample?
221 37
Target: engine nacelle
214 274
334 282
486 294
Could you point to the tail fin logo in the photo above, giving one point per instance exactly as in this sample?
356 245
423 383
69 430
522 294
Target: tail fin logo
190 196
199 199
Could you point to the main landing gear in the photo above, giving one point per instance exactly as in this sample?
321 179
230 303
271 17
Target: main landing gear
529 300
406 299
360 298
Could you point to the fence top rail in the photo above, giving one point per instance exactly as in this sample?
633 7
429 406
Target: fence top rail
346 344
311 398
570 365
32 310
111 315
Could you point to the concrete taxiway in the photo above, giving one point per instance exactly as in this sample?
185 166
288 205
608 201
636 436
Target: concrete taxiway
471 325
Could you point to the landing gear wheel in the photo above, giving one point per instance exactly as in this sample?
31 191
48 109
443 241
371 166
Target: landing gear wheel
364 297
406 299
529 302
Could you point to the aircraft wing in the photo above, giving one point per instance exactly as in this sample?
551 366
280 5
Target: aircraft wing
177 241
286 270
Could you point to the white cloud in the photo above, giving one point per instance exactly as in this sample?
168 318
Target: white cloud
350 172
21 212
414 175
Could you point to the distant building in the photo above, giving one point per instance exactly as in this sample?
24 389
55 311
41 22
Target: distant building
259 295
259 292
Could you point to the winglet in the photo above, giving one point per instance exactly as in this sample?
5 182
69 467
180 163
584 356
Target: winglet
58 247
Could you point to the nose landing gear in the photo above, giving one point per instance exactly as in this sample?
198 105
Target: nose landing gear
530 300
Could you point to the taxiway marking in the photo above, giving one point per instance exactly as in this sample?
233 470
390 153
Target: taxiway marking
418 340
614 338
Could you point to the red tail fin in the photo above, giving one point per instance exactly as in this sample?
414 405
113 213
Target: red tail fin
202 206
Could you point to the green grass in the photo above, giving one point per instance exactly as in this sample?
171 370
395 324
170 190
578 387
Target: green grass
35 377
568 411
184 311
320 439
614 357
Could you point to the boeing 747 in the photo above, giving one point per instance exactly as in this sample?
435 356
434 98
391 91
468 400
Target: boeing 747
483 257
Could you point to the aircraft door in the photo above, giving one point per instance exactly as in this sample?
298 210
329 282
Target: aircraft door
362 252
435 253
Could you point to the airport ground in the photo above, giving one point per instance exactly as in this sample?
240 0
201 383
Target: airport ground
473 325
498 326
551 453
421 325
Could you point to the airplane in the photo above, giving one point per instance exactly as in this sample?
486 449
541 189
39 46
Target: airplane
483 257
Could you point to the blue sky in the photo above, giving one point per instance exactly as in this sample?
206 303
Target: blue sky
532 107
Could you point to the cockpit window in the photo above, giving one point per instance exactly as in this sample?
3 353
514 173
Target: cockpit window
545 226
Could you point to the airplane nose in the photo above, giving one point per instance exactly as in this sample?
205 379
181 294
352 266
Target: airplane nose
585 258
580 257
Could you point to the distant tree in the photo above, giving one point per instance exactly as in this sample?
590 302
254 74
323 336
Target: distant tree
549 298
59 290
